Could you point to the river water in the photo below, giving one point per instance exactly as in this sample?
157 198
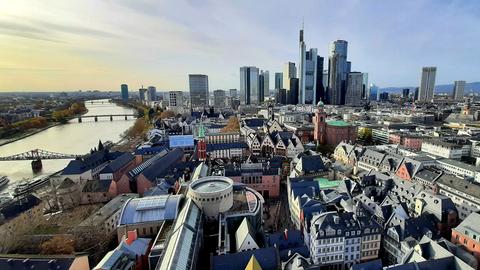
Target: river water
70 138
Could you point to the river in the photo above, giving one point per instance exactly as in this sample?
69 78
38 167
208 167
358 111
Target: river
70 138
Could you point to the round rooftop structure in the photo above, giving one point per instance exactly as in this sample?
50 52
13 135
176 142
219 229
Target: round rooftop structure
213 194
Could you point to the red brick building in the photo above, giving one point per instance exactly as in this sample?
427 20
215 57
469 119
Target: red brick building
406 140
332 132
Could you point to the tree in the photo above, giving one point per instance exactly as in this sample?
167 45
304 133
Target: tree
58 245
232 125
167 114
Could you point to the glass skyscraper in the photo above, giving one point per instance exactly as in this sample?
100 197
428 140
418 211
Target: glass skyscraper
249 92
124 91
338 69
198 90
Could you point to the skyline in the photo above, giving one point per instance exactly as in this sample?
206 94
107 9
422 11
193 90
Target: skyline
59 48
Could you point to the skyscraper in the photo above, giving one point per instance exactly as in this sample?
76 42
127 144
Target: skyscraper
151 93
278 80
292 92
458 90
219 99
141 93
354 88
124 91
290 71
310 74
198 90
427 84
301 67
405 93
249 93
337 72
374 92
263 85
365 88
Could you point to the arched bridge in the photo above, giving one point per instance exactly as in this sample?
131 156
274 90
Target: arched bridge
111 116
38 154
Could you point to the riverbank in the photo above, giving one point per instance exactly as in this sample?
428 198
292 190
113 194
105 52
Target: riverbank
24 135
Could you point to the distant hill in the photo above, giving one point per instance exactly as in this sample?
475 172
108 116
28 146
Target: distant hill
442 88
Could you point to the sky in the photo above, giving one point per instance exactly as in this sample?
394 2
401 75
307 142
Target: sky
66 45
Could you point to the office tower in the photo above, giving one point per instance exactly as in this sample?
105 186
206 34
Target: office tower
141 93
301 68
365 88
415 95
175 98
310 74
219 99
151 93
249 85
374 93
278 80
337 72
354 88
292 92
289 72
263 85
405 93
384 96
320 90
281 96
124 91
198 90
233 93
427 84
458 90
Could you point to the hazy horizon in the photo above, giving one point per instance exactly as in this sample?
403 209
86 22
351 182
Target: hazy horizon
71 45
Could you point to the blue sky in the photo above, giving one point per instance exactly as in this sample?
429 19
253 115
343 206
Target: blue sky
93 44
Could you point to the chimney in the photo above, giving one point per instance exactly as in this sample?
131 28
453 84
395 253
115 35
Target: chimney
286 234
131 236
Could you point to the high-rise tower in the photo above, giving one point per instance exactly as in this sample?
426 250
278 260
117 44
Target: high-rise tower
249 92
338 68
427 84
458 90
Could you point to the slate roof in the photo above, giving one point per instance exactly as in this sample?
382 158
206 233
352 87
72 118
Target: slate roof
254 122
158 166
268 259
37 262
313 163
90 161
289 245
437 204
223 146
118 163
371 265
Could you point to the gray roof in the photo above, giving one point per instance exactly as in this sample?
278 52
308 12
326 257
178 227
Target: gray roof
107 210
470 225
244 230
437 204
181 245
37 262
461 185
148 209
459 164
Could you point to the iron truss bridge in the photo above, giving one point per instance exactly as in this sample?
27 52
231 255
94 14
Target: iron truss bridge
38 154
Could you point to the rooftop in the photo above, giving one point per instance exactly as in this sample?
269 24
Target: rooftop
148 209
338 123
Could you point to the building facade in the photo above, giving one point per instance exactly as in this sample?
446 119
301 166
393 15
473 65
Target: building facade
198 90
124 91
427 84
337 72
249 91
458 90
